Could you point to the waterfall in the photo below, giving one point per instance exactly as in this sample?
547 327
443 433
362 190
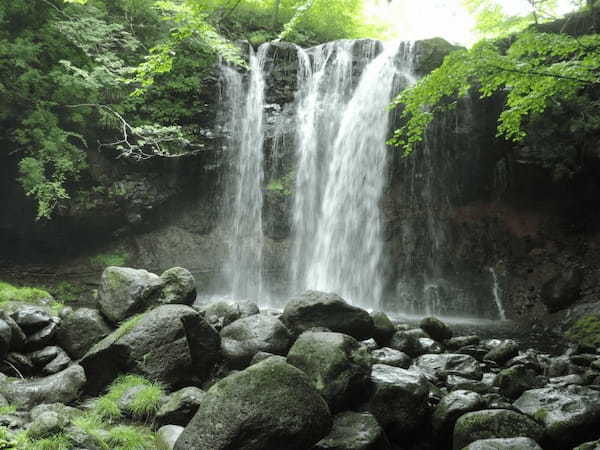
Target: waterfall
497 294
342 130
246 117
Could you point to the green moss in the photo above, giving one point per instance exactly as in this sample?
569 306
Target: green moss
8 409
540 415
67 292
126 326
114 258
586 331
8 293
59 441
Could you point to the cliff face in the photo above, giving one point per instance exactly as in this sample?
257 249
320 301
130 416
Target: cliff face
470 220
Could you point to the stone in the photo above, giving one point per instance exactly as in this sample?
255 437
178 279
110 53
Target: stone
63 387
167 436
180 407
383 328
450 408
563 290
517 379
457 342
124 292
354 431
570 414
320 309
5 338
436 329
42 337
502 351
170 344
593 445
518 443
336 365
438 367
46 424
430 346
398 398
179 287
18 337
242 339
80 329
219 314
259 408
407 343
22 363
31 318
494 423
59 363
391 357
42 357
260 356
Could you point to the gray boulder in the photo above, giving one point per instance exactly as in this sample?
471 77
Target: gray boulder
398 398
354 431
436 329
336 364
124 292
268 406
519 443
595 445
502 351
450 408
170 344
63 387
167 436
391 357
5 338
43 337
383 328
31 318
319 309
180 407
563 290
179 287
438 367
517 379
244 338
80 329
494 423
406 342
18 337
570 414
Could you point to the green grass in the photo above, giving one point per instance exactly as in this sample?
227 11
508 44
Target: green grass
115 258
8 409
59 441
126 326
586 331
66 292
120 437
9 293
143 405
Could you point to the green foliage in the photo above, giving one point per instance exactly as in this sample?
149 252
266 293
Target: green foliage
121 437
586 331
66 292
142 405
127 325
9 293
536 71
8 409
282 185
114 258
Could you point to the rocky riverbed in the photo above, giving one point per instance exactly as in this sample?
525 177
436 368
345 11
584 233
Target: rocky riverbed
152 367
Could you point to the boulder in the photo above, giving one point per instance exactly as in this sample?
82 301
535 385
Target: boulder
178 287
407 343
170 344
5 338
124 292
60 362
18 337
80 329
398 397
383 328
167 436
502 351
320 309
219 314
180 407
450 408
494 423
259 408
436 329
244 338
517 379
43 337
391 357
354 431
31 318
336 364
570 414
63 387
438 367
518 443
563 290
457 342
595 445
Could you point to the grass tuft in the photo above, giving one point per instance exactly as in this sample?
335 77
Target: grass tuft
9 293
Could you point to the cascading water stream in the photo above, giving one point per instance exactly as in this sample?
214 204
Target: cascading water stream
497 294
246 123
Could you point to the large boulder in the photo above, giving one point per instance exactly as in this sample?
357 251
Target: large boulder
5 338
268 406
450 408
515 380
244 338
63 387
398 398
502 351
319 309
80 329
167 436
438 367
355 431
406 342
180 407
124 292
436 329
31 318
18 337
178 287
391 357
570 414
171 344
563 290
383 328
337 365
494 423
518 443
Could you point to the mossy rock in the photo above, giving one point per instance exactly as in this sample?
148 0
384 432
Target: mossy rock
586 331
431 54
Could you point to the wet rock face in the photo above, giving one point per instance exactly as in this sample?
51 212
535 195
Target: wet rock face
354 431
258 409
80 330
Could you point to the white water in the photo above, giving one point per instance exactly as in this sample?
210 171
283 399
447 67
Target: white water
497 294
246 116
341 169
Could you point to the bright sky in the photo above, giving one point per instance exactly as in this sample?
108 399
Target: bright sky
422 19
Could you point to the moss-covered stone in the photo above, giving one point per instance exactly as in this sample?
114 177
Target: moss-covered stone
586 331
